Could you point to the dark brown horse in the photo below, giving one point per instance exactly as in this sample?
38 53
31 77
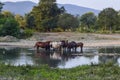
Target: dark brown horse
80 44
71 45
64 44
45 45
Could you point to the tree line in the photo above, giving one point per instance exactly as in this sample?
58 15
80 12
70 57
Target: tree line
48 17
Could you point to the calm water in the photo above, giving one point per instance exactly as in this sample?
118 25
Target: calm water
23 56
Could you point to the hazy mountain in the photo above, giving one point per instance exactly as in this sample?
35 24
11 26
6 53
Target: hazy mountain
19 7
26 6
78 10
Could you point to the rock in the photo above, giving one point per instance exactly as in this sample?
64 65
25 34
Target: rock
8 39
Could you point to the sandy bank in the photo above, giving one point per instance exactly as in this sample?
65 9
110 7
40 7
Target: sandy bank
89 40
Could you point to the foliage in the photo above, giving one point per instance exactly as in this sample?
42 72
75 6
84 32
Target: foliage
27 33
46 15
87 20
30 21
58 29
10 27
108 19
88 72
21 20
68 21
7 14
1 6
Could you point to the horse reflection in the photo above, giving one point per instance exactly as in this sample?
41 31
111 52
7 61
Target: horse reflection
41 54
108 58
56 55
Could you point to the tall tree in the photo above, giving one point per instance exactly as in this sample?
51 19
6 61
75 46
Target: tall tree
7 14
108 19
46 15
21 20
88 19
1 6
10 27
67 21
30 21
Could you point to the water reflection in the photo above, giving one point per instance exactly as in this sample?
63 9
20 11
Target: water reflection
23 56
108 58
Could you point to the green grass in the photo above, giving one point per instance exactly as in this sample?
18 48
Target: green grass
87 72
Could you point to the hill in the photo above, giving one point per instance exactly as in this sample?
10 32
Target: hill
23 7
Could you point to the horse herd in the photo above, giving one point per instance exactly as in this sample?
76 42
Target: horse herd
59 45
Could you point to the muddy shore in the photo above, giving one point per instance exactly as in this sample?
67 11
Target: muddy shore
89 39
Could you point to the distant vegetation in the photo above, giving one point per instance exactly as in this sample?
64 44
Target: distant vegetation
48 17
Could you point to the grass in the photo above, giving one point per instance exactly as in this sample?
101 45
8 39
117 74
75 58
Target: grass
86 72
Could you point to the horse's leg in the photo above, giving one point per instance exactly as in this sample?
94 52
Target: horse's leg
81 49
75 49
37 48
69 49
60 48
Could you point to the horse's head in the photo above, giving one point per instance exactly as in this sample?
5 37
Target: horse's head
80 44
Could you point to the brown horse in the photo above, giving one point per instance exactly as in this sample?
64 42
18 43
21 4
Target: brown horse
80 44
45 45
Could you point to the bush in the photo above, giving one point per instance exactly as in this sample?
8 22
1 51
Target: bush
58 29
27 33
10 27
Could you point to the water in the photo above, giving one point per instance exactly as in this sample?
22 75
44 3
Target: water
29 56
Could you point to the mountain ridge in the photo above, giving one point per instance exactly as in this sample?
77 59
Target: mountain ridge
23 7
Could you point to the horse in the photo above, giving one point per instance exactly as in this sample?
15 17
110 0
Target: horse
72 45
56 45
80 44
45 45
64 44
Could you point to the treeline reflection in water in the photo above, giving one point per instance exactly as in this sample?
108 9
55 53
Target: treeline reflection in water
27 56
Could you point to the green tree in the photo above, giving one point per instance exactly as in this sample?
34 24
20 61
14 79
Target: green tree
108 19
21 20
10 27
7 14
1 6
30 21
88 20
46 15
67 21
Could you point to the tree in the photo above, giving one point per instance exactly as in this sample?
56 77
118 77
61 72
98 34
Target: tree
108 19
10 28
21 20
1 6
67 21
88 19
7 14
30 21
46 15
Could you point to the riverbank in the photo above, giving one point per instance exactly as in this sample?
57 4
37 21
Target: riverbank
87 72
89 39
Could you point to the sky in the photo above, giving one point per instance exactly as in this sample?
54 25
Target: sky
95 4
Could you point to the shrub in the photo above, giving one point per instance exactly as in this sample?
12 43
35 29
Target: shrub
27 33
58 29
10 27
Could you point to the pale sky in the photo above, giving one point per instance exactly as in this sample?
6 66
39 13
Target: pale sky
95 4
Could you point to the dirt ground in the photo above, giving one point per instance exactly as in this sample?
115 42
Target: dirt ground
89 39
